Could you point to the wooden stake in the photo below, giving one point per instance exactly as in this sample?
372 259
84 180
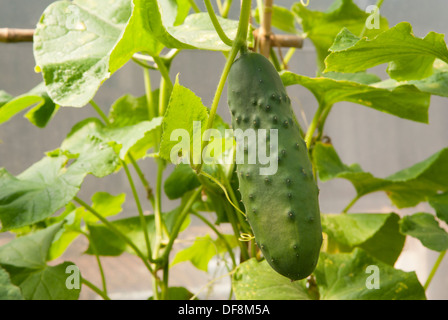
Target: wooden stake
16 35
281 40
265 29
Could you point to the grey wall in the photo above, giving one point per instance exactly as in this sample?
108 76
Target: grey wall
381 143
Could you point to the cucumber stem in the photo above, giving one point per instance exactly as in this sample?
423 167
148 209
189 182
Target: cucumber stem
238 43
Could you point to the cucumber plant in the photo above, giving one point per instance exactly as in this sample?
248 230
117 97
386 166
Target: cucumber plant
280 246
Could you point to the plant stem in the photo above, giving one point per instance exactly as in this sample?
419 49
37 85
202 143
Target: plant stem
139 208
98 260
313 125
322 120
158 207
145 182
236 231
275 60
222 35
225 10
288 57
354 200
116 231
219 234
434 269
163 70
194 6
240 41
95 288
100 112
176 229
148 93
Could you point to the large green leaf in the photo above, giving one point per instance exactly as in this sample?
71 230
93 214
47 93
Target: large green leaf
435 84
50 184
404 101
84 137
72 46
322 27
254 280
425 227
440 203
30 251
184 109
43 110
346 276
405 188
8 291
409 57
378 234
47 283
25 259
38 192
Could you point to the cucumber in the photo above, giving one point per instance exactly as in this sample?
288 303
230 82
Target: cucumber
283 208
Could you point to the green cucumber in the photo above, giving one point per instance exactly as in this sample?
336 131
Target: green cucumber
282 208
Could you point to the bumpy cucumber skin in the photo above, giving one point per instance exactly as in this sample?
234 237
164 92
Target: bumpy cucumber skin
282 209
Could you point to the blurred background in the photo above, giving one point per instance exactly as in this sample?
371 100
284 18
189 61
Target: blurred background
382 144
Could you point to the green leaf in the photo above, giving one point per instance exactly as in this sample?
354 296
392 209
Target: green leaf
378 234
8 291
404 101
70 230
345 276
41 113
405 188
106 204
72 46
180 181
4 97
129 110
30 251
409 57
197 31
255 280
25 258
436 84
282 18
91 139
322 27
203 250
183 110
38 192
47 283
440 203
425 227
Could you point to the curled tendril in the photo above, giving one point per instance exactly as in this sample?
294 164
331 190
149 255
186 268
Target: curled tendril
305 2
245 237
